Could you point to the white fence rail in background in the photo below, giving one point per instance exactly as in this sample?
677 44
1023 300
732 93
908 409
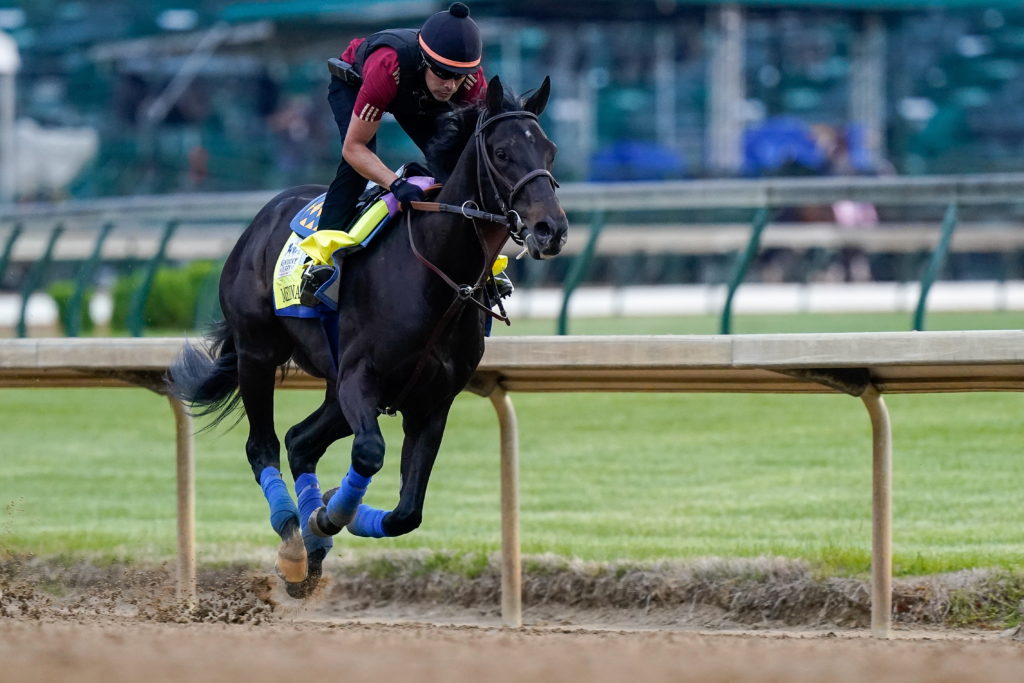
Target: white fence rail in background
209 224
641 196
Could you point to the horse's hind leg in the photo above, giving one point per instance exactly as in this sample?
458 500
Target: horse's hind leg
306 443
256 385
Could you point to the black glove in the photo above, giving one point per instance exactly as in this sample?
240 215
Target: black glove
406 192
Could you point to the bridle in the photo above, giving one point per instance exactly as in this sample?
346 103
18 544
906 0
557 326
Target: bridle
514 222
508 217
486 168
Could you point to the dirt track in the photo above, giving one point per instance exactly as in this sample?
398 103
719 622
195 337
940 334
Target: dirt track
100 624
129 650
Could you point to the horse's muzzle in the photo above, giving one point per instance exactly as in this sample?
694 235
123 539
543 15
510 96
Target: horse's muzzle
546 238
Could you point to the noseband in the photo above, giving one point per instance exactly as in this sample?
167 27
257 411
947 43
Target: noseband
512 219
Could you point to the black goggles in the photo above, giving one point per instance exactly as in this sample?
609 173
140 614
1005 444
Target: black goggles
444 74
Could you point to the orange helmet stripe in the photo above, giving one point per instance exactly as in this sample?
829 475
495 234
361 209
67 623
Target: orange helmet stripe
444 60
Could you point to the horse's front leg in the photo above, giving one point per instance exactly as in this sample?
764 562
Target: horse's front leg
423 434
358 399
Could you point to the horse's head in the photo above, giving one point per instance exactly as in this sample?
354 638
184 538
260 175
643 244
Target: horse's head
514 159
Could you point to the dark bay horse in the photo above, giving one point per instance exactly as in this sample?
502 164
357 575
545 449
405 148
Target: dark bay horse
410 331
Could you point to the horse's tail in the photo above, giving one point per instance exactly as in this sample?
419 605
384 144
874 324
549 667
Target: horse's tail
206 378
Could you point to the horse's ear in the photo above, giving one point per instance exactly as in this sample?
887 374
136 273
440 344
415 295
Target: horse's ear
537 101
495 96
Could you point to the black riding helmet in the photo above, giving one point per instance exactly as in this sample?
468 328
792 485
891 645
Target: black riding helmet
450 41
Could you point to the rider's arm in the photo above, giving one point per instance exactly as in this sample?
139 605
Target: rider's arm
379 87
359 156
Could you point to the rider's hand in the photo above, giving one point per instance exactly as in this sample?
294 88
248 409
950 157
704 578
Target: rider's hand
406 192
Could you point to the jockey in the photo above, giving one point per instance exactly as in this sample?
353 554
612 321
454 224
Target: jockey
417 76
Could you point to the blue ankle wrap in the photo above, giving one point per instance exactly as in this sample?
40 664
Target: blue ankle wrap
349 496
369 522
307 487
282 507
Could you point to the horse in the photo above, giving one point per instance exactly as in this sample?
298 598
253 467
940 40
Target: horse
412 313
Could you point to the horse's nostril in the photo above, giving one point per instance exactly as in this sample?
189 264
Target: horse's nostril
542 230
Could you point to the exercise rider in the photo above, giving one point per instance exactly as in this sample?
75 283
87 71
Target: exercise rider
417 76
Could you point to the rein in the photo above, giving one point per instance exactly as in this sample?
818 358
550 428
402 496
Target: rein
509 218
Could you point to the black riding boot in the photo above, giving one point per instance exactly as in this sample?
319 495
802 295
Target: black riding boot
504 284
313 278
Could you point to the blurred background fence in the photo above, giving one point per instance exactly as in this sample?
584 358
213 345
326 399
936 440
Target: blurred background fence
699 239
784 144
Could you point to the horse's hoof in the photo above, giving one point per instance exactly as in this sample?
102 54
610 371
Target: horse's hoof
291 559
321 525
330 494
305 588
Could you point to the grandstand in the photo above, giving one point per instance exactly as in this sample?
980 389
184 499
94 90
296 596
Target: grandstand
633 95
659 90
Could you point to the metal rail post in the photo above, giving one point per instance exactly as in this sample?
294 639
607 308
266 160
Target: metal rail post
74 319
881 513
511 562
186 476
579 268
742 265
34 277
136 315
935 264
5 258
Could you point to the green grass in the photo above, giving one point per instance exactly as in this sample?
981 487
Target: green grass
764 324
604 476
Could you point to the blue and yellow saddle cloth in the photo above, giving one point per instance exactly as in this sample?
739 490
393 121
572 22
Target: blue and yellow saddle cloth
308 246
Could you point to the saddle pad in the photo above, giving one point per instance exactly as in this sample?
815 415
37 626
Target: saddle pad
308 218
287 278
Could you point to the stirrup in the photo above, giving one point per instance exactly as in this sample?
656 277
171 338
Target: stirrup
313 278
504 285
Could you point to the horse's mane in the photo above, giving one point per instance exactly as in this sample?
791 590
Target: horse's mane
455 129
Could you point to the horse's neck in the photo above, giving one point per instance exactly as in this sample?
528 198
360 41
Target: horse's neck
453 238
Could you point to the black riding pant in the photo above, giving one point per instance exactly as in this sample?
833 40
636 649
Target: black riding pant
340 204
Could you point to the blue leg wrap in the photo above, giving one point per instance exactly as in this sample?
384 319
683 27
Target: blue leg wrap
343 504
308 489
282 507
369 522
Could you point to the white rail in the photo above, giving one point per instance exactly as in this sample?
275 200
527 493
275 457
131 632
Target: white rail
865 365
995 188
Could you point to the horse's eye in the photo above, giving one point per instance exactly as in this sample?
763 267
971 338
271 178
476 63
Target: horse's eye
500 153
